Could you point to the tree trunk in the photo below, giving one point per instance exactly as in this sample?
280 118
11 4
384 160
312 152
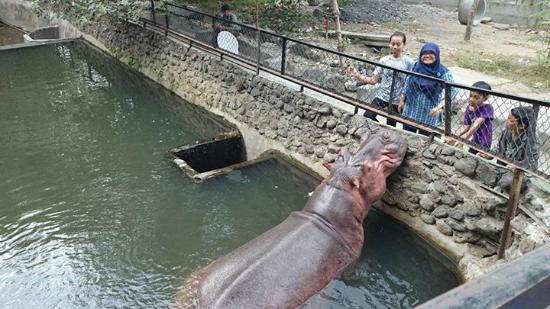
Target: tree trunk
336 12
471 20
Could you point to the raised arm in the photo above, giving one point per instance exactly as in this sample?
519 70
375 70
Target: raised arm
470 130
371 80
448 77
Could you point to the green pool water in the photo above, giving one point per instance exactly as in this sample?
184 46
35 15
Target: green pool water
93 214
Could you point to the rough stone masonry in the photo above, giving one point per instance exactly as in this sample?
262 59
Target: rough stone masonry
438 186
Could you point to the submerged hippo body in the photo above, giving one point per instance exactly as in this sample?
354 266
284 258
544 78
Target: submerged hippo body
288 264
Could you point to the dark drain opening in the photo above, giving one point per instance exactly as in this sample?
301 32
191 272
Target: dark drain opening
221 151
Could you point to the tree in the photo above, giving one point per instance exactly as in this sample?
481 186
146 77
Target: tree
282 15
471 18
336 12
543 22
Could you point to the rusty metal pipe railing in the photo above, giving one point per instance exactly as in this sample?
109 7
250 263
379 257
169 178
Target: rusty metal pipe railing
511 212
522 283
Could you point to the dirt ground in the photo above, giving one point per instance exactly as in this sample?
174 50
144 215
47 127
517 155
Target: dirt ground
427 23
432 24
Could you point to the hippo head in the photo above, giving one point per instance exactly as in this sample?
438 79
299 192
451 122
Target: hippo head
363 174
379 156
355 182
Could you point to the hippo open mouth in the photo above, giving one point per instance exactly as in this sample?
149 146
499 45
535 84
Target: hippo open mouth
296 259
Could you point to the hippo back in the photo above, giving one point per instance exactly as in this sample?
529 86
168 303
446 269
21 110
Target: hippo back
304 247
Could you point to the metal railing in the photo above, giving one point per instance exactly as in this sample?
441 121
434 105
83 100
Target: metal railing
524 144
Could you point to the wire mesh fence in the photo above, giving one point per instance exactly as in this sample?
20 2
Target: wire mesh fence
504 127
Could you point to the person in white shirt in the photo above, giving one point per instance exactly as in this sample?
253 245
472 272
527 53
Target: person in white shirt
395 59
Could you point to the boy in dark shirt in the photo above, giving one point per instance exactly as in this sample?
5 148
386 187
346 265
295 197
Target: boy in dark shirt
477 118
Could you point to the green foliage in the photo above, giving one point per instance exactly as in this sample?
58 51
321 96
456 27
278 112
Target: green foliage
92 10
248 3
543 22
159 72
344 43
543 14
343 3
237 4
134 62
282 15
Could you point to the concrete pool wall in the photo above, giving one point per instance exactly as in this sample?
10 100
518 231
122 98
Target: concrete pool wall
438 192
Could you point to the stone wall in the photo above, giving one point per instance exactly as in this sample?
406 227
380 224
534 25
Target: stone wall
438 185
438 192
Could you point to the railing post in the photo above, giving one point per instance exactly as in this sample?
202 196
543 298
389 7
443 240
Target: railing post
166 19
153 11
258 55
392 90
513 202
448 111
283 57
214 42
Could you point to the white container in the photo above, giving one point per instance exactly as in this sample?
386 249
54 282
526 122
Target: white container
464 7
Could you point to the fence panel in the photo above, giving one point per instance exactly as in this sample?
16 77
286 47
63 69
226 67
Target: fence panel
508 127
189 23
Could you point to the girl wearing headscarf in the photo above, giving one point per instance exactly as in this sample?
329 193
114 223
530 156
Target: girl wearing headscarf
422 99
519 142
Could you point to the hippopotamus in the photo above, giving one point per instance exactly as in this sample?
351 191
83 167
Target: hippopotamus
294 260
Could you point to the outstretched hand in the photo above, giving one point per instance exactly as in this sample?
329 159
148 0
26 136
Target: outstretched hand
352 71
435 111
401 105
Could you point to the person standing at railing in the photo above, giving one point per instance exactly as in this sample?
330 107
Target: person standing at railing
421 97
395 59
226 20
478 118
519 142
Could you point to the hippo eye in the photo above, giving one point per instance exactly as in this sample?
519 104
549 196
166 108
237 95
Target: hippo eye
387 138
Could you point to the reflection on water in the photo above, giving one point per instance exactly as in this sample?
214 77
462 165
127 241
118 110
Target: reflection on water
93 214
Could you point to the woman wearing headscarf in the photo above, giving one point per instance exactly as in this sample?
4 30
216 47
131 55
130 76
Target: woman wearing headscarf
422 98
